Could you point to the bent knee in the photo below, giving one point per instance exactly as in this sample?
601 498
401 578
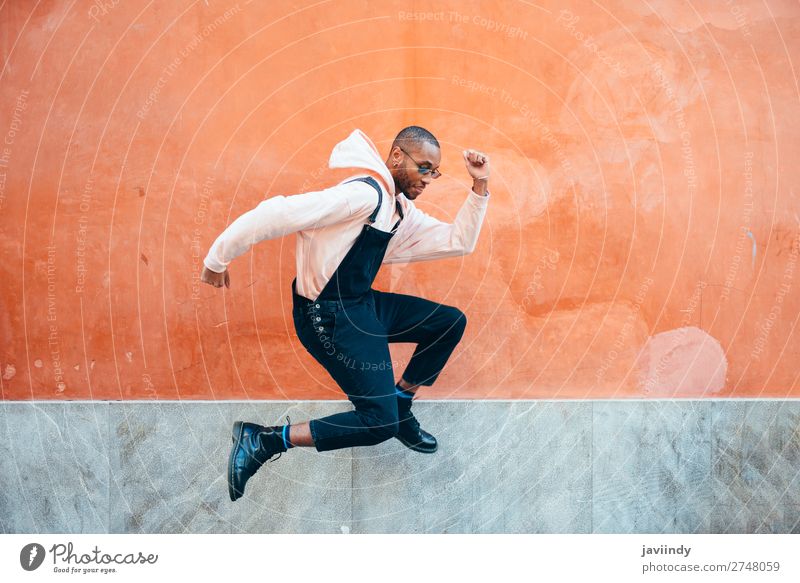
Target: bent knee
457 321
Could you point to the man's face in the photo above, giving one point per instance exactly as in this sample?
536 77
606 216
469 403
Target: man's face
407 177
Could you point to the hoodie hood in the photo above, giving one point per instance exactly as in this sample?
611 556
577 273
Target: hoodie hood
358 151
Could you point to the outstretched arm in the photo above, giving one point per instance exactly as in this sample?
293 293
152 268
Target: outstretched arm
277 217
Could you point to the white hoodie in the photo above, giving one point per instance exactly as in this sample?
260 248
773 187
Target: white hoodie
327 222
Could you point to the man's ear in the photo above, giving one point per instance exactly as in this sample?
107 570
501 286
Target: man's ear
394 156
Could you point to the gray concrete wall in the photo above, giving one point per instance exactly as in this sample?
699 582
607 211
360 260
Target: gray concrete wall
719 466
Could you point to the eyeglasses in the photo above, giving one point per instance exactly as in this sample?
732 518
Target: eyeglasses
422 169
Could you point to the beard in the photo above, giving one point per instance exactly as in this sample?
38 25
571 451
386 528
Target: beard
402 181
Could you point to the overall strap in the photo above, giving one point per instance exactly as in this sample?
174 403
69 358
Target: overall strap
400 212
374 184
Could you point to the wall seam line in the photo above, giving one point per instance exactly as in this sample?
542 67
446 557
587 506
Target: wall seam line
591 466
108 467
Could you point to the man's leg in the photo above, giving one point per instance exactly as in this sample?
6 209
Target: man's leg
360 363
436 329
375 419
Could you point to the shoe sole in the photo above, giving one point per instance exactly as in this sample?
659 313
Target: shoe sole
236 436
414 447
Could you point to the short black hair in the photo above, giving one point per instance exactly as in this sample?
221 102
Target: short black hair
414 135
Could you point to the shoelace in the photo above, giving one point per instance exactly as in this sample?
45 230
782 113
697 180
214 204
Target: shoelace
411 420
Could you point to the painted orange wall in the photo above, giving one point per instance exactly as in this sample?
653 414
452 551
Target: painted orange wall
642 238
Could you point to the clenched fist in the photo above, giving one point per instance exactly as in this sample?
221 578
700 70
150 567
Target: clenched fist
214 278
477 164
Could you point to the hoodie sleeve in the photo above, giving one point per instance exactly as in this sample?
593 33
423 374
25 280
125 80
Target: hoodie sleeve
423 237
282 215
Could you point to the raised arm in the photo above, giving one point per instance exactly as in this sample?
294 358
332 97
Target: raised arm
429 238
424 237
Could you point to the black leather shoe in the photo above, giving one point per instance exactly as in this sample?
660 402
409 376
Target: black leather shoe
252 446
413 436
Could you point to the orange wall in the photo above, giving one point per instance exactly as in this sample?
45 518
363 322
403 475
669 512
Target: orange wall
642 236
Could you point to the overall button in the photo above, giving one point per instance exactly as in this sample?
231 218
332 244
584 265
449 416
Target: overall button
321 329
318 318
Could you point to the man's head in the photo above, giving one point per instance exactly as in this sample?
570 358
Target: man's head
414 160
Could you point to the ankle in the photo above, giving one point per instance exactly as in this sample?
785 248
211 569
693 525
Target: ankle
404 393
285 437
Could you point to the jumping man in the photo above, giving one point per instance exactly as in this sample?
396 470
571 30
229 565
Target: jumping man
344 233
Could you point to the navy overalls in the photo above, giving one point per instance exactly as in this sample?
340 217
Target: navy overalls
347 330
